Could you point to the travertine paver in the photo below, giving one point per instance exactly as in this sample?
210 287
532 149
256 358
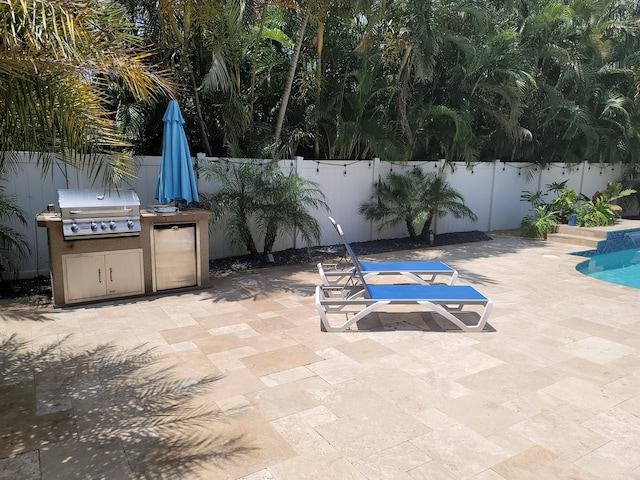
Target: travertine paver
238 382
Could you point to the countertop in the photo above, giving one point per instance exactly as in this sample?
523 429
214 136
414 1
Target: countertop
186 215
146 216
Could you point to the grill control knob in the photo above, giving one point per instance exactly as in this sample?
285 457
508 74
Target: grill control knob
129 224
74 227
94 226
103 226
112 225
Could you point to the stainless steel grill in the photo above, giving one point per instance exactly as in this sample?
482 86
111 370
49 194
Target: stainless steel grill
94 213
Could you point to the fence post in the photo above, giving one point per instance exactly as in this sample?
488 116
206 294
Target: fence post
297 169
493 184
584 167
375 173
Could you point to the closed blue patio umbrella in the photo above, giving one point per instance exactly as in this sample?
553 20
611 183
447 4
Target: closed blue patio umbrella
176 181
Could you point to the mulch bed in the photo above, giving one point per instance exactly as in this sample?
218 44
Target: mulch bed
296 256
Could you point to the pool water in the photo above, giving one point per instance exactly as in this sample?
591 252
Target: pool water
621 268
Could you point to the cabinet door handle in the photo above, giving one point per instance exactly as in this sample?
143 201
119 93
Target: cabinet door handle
99 275
110 274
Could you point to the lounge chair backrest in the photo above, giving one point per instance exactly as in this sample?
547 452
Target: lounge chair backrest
354 258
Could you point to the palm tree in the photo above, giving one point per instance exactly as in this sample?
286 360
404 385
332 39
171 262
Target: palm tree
417 35
183 38
284 207
237 201
262 194
293 65
355 125
441 199
582 56
13 245
416 199
57 59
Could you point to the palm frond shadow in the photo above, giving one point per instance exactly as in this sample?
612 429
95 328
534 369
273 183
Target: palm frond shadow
162 424
475 279
256 284
33 309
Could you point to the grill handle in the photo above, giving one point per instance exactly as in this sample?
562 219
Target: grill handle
75 212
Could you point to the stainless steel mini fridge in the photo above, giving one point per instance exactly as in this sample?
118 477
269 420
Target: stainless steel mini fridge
175 256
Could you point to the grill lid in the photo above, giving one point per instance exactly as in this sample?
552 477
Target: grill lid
97 199
94 213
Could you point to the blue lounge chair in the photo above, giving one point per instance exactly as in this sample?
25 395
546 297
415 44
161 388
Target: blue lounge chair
334 274
357 299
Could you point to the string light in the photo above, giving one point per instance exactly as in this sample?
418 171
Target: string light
565 170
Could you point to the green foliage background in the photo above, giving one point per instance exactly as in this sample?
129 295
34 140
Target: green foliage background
533 80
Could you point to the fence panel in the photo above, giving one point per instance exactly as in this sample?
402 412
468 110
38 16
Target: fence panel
596 177
475 185
509 183
491 190
345 185
32 192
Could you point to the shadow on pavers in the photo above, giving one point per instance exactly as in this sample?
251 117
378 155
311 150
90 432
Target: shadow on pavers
105 412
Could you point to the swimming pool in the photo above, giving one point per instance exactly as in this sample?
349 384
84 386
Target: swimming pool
621 268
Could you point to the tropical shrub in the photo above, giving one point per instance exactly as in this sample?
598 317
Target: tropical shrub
259 197
547 214
597 213
603 209
415 198
283 209
540 223
566 203
13 245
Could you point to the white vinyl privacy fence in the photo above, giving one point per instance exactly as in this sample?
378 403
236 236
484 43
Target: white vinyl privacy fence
491 190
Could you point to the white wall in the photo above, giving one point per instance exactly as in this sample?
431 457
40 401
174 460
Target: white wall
491 190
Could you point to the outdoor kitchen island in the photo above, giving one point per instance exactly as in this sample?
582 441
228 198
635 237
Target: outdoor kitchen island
99 268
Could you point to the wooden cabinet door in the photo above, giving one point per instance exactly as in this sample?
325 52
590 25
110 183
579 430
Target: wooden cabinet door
94 276
84 276
124 272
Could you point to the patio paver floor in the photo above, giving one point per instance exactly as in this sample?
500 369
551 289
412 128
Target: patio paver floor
237 381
